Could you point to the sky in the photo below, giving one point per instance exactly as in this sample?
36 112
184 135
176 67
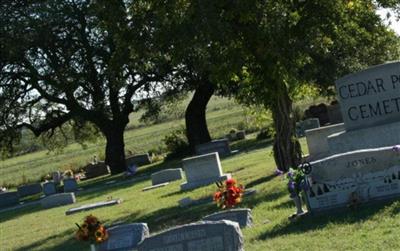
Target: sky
395 24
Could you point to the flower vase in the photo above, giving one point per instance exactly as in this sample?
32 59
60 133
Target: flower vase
92 247
297 202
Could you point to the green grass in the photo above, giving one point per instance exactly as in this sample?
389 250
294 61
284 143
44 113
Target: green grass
222 115
373 227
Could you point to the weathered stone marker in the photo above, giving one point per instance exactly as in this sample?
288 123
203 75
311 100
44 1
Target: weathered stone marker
30 189
221 146
202 170
49 188
9 199
138 160
124 237
56 200
70 185
240 215
200 236
166 175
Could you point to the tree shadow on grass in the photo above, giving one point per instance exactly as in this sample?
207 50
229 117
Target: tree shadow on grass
260 180
70 244
251 144
15 213
313 222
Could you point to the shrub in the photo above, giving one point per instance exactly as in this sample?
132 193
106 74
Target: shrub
176 143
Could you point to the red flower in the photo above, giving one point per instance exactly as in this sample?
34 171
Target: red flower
229 195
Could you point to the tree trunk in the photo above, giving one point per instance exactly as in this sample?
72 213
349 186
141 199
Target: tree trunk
287 150
115 149
195 116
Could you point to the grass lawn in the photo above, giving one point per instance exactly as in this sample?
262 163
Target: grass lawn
367 228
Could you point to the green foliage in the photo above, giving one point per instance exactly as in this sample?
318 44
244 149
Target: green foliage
266 133
176 143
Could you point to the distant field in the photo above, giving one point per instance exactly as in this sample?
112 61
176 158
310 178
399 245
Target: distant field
222 115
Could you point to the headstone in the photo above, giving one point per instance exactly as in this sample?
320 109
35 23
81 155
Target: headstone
70 185
370 97
307 124
31 189
221 146
49 188
317 140
94 170
57 177
58 199
200 236
124 237
240 215
368 174
138 160
202 170
93 206
166 175
9 199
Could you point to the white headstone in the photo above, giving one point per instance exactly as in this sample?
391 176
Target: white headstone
202 170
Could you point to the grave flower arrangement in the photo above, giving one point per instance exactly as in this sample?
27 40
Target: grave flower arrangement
91 230
296 182
228 194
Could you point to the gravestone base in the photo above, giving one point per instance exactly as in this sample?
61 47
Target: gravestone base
371 137
199 183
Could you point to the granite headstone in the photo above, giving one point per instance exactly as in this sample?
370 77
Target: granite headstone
201 236
70 185
202 170
166 175
239 215
49 188
368 175
124 237
58 199
221 146
9 199
30 189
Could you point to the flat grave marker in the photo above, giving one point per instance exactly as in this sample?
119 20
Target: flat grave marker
93 206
